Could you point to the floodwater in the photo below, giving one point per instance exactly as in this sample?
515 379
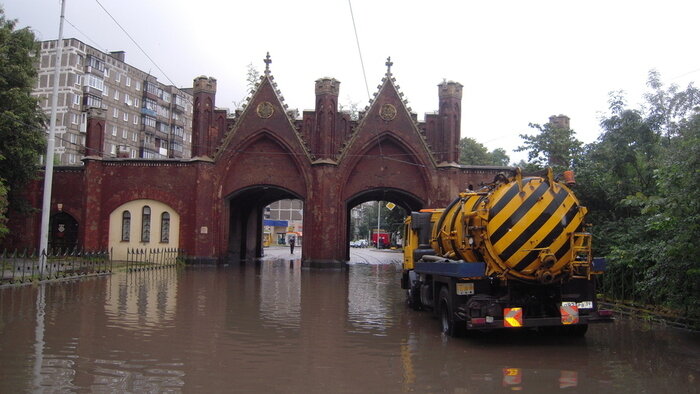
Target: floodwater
272 326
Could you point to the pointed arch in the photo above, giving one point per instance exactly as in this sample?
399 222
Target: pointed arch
385 162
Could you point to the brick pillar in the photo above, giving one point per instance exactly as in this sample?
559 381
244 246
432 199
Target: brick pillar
204 92
95 133
450 113
325 141
324 221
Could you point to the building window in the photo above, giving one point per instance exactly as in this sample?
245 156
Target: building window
126 225
149 121
146 224
93 101
94 82
165 228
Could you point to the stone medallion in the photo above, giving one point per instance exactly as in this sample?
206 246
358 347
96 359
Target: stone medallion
387 112
265 109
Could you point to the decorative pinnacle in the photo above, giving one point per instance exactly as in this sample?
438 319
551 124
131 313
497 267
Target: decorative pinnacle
267 61
388 63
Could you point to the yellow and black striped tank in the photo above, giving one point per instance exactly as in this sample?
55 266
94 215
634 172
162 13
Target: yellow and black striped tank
528 229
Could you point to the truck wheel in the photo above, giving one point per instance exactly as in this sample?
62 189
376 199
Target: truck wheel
448 323
413 299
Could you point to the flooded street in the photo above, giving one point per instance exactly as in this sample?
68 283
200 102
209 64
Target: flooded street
275 327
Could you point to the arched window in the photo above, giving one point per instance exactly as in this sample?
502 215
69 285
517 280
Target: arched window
165 228
126 225
146 224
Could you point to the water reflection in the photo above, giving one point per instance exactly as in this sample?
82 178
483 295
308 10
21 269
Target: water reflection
144 300
370 301
273 326
280 293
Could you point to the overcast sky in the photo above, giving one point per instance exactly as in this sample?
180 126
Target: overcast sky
519 61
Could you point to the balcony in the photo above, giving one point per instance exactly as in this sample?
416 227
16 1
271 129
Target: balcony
148 112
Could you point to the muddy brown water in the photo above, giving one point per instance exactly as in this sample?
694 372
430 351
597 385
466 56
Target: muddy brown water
272 326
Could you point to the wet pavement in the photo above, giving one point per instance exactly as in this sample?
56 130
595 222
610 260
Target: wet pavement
272 326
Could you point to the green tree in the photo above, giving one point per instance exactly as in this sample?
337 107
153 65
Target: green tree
472 152
639 181
552 146
22 123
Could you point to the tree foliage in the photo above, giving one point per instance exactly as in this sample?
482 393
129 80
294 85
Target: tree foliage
552 146
472 152
22 122
639 181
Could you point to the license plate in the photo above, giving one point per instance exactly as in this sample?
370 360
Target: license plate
465 288
580 305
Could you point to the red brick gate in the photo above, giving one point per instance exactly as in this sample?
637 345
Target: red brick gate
265 153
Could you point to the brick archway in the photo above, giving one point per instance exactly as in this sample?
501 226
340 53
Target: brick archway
245 216
404 199
263 152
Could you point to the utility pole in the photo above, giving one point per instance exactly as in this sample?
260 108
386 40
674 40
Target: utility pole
379 220
48 171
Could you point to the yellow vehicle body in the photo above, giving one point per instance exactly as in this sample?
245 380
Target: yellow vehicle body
528 229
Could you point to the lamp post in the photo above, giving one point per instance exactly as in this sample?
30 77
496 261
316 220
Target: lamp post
48 171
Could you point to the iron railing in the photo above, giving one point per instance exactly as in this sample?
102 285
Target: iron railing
28 266
148 259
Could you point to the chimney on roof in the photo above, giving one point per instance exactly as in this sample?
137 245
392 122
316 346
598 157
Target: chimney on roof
119 55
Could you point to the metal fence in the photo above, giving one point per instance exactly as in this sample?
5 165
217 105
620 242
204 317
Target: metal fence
623 286
28 266
148 259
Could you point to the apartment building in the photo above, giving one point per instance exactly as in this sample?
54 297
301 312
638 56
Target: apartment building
144 118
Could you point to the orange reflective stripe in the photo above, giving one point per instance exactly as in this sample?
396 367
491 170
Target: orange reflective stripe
569 314
513 317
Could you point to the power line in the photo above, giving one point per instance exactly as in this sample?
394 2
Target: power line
136 43
86 36
359 51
